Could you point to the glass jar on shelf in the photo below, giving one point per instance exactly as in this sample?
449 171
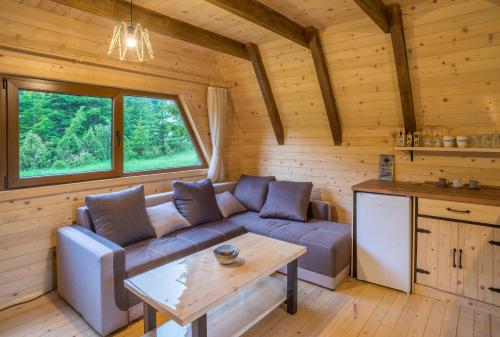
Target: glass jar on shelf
476 141
485 141
437 136
427 136
495 140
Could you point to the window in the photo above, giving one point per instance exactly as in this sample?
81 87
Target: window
62 132
156 136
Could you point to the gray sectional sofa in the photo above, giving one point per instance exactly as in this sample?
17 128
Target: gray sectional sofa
91 269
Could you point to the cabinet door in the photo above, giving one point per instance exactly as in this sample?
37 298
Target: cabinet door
427 252
476 275
437 254
496 266
447 271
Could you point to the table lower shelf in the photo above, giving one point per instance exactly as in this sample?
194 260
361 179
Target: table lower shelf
238 314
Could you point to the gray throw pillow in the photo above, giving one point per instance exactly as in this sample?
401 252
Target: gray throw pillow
121 216
196 201
166 219
287 200
251 191
228 204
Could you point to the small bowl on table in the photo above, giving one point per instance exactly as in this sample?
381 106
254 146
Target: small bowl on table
226 254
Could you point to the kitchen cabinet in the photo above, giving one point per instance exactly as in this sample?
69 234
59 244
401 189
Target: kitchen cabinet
461 258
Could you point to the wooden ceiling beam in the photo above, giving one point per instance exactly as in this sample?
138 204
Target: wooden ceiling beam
325 84
402 68
119 10
390 20
265 17
267 93
377 11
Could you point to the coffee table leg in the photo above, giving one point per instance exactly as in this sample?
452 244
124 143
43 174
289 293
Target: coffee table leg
149 317
291 292
199 327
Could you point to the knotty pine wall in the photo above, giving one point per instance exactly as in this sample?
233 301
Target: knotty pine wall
29 217
454 55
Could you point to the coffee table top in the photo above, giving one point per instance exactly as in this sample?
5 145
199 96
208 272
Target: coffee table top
188 288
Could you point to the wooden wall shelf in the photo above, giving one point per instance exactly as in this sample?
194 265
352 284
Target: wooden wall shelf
458 150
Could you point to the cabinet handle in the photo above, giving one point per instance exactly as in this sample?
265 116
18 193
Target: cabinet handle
494 243
495 290
458 211
460 258
454 257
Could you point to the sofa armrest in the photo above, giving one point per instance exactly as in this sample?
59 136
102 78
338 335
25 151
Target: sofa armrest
319 210
90 274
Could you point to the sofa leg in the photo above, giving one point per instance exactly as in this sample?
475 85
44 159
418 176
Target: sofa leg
292 284
149 318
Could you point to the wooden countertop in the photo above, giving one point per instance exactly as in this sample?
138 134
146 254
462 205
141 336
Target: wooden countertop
485 196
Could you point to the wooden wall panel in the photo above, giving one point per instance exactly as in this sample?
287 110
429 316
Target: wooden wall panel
454 57
29 218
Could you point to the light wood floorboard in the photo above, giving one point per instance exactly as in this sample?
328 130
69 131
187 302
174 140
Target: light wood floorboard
355 309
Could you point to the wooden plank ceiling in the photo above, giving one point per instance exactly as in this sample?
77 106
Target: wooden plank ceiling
317 13
226 30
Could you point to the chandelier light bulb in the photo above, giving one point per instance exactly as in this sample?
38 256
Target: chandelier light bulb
131 42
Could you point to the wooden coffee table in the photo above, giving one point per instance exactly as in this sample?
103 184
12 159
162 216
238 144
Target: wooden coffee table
204 298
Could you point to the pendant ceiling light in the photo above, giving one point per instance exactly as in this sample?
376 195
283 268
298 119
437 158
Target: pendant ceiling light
130 41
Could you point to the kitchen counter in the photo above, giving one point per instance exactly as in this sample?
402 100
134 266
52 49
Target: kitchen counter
485 196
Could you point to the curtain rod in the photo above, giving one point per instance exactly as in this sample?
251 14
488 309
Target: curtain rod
100 65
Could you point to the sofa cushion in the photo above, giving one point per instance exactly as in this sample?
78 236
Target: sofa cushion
328 244
251 191
228 204
200 237
255 224
287 200
145 255
148 254
328 248
166 219
291 231
196 201
224 228
121 217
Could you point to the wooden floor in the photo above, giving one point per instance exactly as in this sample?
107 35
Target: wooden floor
355 309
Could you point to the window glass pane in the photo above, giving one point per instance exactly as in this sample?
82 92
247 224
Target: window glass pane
155 135
62 134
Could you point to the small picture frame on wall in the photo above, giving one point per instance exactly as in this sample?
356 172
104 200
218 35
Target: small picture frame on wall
386 167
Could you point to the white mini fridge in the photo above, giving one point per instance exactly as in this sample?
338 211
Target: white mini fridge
383 240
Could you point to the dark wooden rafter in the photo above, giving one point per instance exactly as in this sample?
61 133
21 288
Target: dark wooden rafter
266 17
165 25
161 24
325 84
267 94
377 11
402 68
390 20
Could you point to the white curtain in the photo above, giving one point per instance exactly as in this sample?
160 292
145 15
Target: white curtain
218 105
